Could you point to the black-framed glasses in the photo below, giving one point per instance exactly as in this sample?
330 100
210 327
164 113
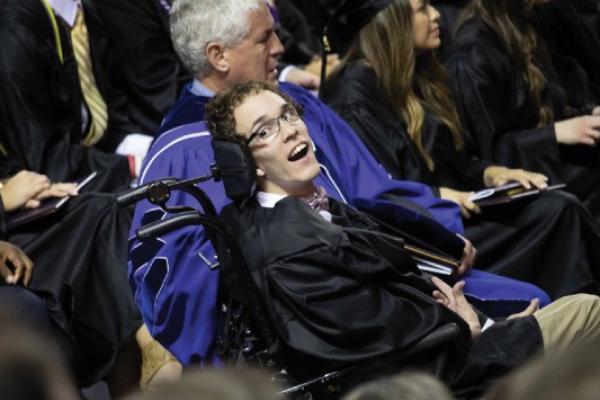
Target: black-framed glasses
269 129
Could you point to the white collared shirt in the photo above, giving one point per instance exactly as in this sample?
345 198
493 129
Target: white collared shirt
66 9
268 200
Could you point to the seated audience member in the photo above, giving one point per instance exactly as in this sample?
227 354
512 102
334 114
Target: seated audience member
152 73
395 95
225 383
153 76
511 105
174 286
571 374
340 288
575 51
300 45
20 309
60 114
403 386
80 256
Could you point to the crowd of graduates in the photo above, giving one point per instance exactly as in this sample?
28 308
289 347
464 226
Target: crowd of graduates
410 106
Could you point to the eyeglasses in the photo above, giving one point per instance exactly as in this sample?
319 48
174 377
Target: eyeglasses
269 129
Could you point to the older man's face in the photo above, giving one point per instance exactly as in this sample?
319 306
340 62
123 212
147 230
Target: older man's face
255 58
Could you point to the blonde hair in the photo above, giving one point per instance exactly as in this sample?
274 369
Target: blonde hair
413 83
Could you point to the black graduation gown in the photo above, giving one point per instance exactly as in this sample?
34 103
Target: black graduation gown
574 48
500 119
80 271
40 102
293 30
549 240
450 11
153 74
345 293
317 13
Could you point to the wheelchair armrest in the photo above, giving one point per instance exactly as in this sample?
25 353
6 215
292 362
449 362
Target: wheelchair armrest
441 335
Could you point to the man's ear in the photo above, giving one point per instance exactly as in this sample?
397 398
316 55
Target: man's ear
215 52
260 172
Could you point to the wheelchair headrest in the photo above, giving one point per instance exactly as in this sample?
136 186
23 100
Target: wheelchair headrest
236 168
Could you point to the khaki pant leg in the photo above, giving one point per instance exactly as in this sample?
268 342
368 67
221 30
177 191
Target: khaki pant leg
569 320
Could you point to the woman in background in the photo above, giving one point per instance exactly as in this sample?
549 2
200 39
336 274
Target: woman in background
393 91
511 104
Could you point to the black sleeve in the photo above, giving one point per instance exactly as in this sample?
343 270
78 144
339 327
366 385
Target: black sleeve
387 140
138 32
40 128
482 85
300 45
456 168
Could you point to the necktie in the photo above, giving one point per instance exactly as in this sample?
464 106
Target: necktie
89 89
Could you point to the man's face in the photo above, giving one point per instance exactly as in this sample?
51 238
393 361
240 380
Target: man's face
255 58
285 161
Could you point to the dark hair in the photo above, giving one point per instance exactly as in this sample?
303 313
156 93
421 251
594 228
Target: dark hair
220 110
509 19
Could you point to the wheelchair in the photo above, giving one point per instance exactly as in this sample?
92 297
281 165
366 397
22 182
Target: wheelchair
246 335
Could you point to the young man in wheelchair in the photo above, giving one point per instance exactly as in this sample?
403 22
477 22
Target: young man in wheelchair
340 287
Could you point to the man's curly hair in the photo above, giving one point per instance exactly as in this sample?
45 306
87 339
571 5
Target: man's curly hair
219 111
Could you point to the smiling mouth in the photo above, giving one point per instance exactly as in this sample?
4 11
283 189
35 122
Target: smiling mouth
298 152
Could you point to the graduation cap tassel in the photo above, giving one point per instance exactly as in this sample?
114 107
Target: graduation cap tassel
325 51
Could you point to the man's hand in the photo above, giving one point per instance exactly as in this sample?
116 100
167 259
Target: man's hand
303 78
468 257
533 306
18 190
579 130
454 299
14 264
467 207
497 176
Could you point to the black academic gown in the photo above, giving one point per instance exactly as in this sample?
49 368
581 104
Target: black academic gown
40 102
295 35
317 13
80 258
574 48
450 11
346 293
501 120
554 234
153 74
